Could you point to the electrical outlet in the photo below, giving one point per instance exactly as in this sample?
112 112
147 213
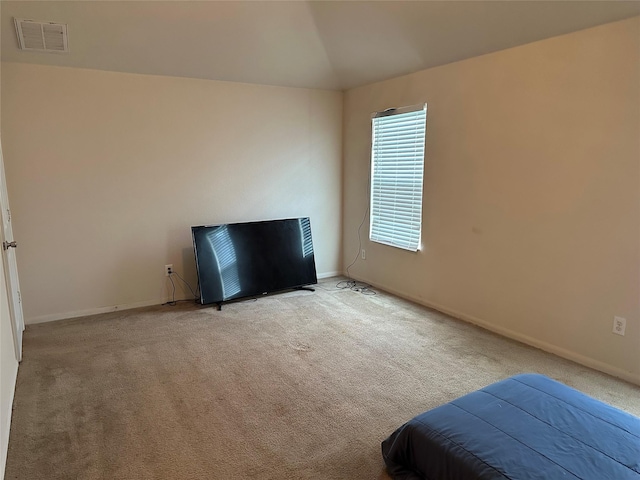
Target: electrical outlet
363 254
168 269
619 325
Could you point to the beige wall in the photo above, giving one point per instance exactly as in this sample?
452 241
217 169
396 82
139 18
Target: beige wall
531 221
107 172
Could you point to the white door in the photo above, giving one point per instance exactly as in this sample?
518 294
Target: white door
10 264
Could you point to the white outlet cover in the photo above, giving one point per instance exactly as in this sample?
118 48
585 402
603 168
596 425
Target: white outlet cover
619 325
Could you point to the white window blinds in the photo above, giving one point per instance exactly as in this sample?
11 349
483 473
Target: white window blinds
397 156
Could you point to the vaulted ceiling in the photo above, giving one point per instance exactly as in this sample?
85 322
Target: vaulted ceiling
318 44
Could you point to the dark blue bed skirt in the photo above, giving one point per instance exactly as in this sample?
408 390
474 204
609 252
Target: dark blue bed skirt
524 427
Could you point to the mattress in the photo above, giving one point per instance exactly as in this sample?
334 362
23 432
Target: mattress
525 427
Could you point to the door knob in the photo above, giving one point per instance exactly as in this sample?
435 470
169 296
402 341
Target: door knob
8 245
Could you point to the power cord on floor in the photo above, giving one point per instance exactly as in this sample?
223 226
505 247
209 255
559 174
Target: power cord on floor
352 285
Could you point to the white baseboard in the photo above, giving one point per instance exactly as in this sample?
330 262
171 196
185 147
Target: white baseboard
328 275
92 311
520 337
126 306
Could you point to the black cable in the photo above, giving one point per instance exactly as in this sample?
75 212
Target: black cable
354 286
172 302
367 290
346 284
364 217
185 282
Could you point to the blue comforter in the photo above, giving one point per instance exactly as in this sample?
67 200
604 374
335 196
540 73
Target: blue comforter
524 427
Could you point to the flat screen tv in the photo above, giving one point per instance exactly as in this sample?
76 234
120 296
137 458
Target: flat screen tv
238 260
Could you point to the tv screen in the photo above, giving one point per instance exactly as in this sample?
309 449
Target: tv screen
239 260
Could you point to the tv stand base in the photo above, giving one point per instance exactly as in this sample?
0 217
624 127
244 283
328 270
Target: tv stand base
309 289
219 304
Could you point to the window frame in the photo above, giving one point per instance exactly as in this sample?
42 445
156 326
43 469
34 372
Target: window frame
403 227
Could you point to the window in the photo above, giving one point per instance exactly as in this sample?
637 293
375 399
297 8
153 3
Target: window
397 158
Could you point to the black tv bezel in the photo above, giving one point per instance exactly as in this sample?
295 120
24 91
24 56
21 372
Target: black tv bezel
301 286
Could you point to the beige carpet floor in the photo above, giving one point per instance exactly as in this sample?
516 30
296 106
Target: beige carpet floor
294 386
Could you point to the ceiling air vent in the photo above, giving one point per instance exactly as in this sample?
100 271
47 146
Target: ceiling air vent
42 36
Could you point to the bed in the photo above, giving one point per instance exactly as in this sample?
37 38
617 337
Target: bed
525 427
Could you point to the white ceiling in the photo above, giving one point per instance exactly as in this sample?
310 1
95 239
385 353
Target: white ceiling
317 44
